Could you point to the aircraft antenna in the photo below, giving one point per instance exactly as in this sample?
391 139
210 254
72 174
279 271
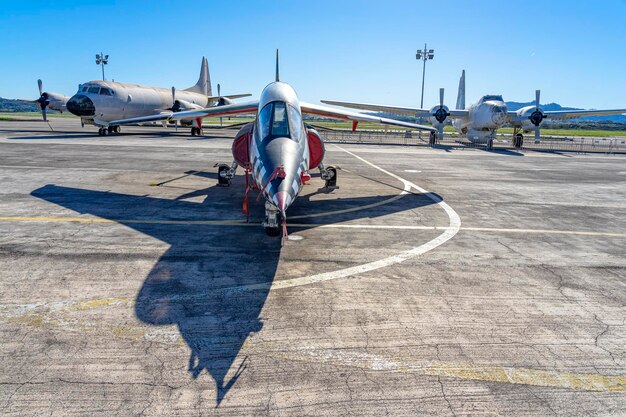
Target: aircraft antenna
277 71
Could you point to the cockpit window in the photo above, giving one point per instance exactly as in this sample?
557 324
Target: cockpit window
105 92
84 89
94 90
295 122
492 98
280 124
274 121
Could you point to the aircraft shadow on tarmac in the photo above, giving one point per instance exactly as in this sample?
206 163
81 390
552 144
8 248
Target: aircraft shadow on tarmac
194 283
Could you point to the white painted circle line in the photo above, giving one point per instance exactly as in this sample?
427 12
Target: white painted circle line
449 232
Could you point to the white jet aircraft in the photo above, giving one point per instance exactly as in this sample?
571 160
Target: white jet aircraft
100 102
481 120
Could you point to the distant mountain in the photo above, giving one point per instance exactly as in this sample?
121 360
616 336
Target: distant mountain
514 105
8 105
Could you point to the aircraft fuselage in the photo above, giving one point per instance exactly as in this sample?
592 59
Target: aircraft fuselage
105 101
279 151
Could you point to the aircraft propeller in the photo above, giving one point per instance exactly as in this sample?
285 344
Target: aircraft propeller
43 100
441 114
537 116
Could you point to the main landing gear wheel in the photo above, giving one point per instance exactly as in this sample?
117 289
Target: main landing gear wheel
519 140
196 131
432 139
103 131
331 177
490 145
115 129
222 175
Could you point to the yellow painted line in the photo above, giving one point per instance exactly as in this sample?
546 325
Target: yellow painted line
465 371
320 225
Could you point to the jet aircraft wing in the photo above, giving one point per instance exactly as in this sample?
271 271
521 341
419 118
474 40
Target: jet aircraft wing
330 112
406 111
240 108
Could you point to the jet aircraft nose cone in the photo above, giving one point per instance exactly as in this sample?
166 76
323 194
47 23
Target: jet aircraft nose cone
81 105
282 200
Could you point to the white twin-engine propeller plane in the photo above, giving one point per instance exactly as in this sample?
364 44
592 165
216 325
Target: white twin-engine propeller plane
481 120
100 102
277 150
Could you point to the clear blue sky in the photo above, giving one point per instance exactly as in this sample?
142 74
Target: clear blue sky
346 50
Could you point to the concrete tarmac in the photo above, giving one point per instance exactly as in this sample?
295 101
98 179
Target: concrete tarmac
431 282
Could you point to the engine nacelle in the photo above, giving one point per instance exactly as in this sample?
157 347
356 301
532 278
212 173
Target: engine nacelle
438 115
241 145
185 105
526 115
316 148
224 101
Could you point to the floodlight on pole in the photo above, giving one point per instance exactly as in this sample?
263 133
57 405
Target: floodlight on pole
102 60
424 55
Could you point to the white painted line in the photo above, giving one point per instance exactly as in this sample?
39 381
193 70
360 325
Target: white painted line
413 171
449 233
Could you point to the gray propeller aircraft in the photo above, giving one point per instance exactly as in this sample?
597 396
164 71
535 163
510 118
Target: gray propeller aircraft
100 102
481 120
277 150
48 100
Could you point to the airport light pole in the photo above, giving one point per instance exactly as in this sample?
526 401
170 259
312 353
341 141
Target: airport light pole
103 60
424 55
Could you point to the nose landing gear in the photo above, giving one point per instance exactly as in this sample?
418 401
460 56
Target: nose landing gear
271 223
329 174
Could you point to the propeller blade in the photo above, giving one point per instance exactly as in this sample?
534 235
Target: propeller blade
441 97
219 94
440 132
537 95
43 113
40 85
537 134
173 95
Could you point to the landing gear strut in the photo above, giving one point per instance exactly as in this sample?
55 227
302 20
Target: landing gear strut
271 223
329 174
518 138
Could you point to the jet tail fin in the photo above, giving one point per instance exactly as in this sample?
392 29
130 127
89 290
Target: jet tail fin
203 86
460 99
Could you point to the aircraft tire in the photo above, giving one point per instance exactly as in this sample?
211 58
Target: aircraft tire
105 131
519 140
272 231
490 145
332 181
100 132
222 180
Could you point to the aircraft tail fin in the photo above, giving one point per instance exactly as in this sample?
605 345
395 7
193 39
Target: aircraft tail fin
203 86
277 67
460 99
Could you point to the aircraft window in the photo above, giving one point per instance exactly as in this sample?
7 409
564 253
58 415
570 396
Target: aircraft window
105 92
273 121
265 117
280 123
94 90
84 89
493 98
295 122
